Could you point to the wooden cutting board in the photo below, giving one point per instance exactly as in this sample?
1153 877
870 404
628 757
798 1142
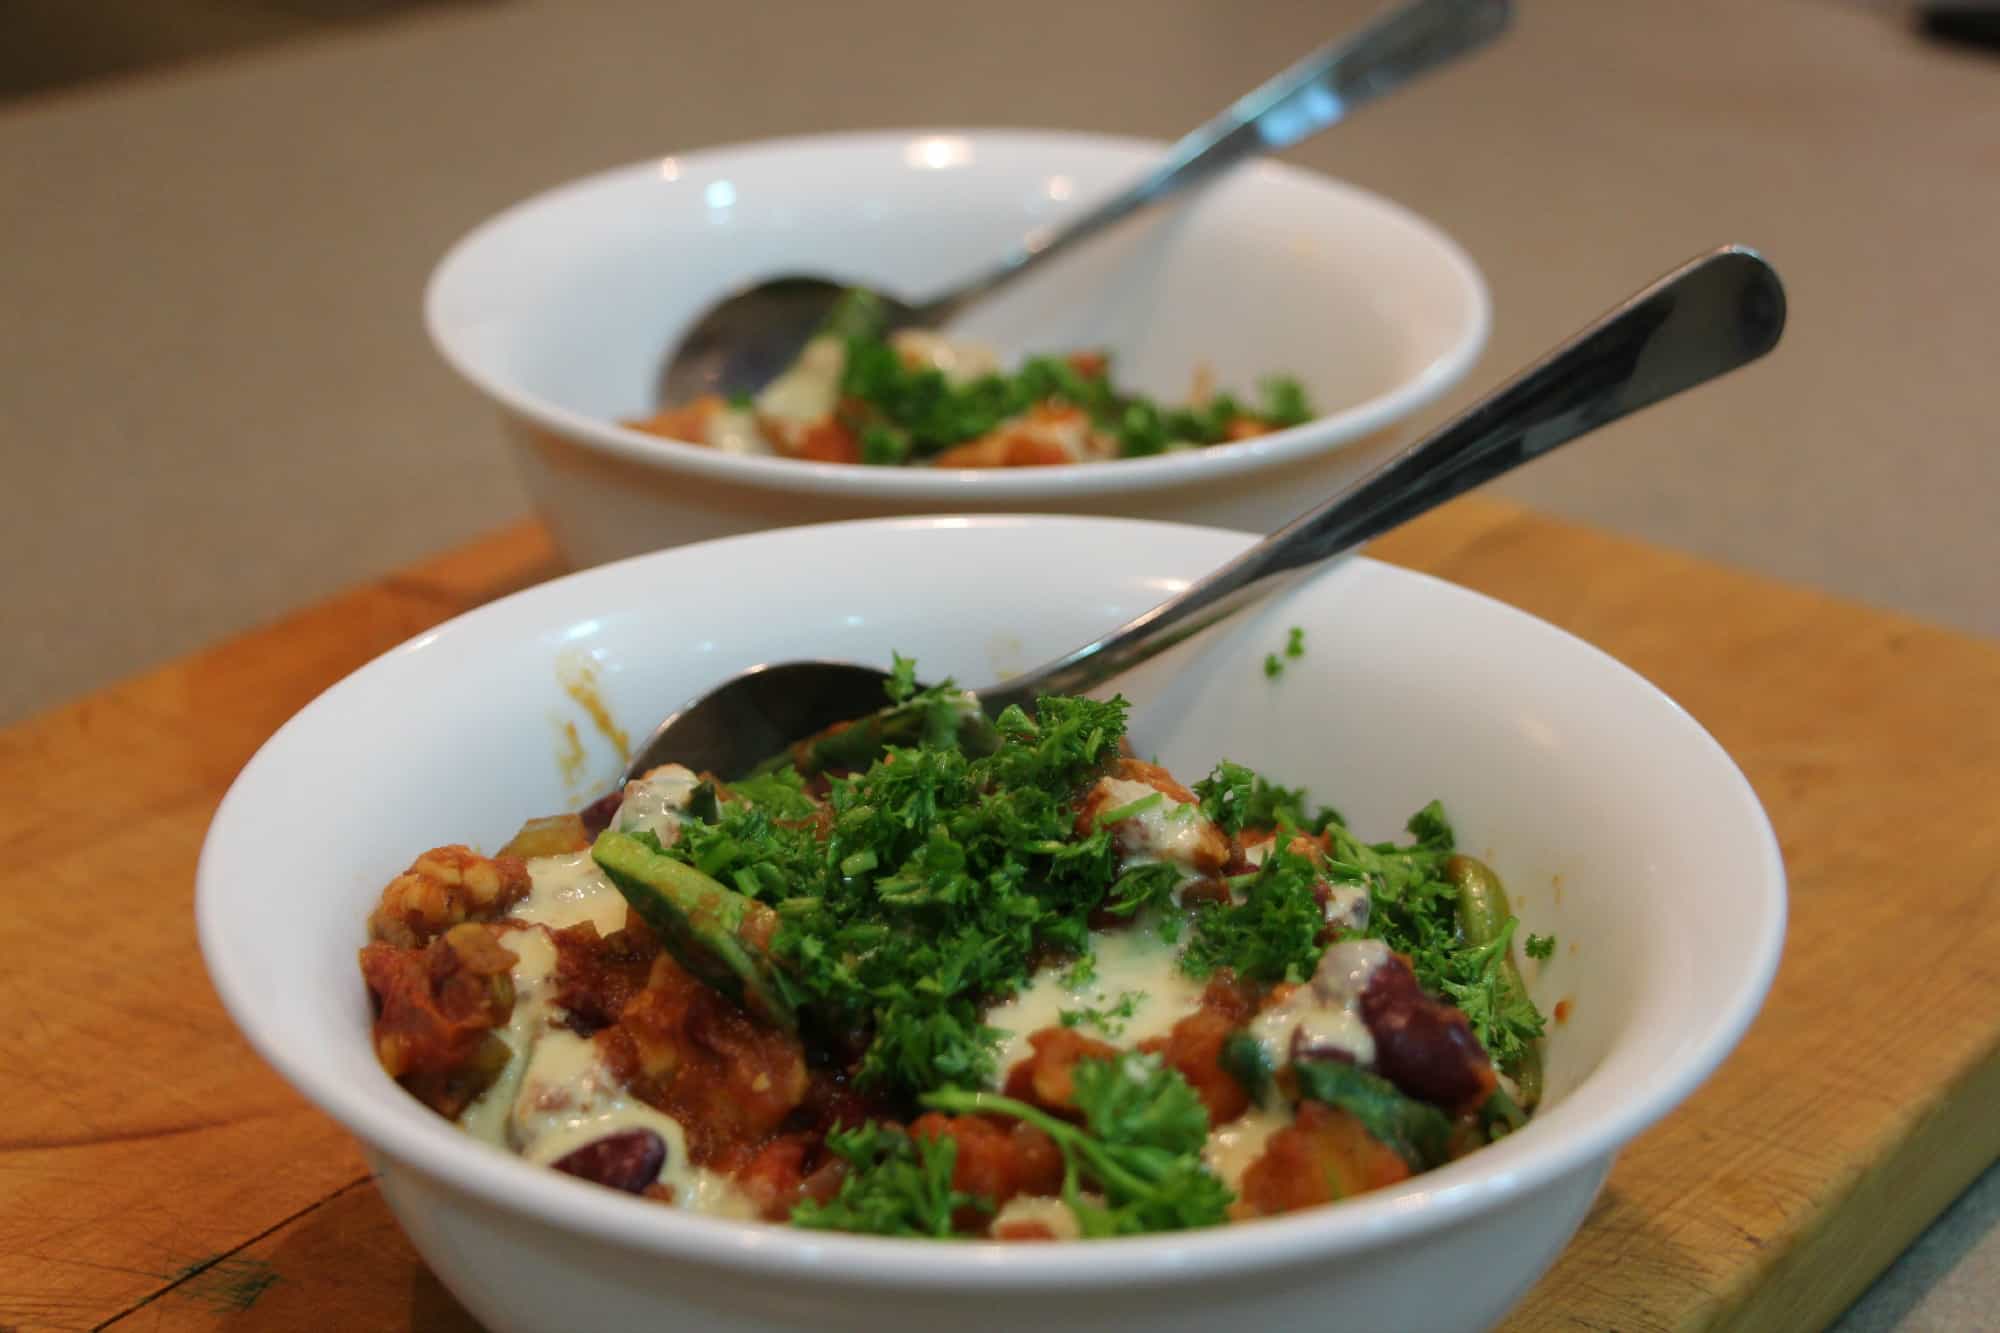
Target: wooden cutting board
153 1174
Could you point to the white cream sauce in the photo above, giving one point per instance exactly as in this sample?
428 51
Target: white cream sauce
1052 1214
1231 1148
656 801
733 430
568 1100
1325 1013
1169 830
556 1096
567 889
961 360
533 975
1344 969
1131 961
1347 906
1068 431
809 389
1305 1020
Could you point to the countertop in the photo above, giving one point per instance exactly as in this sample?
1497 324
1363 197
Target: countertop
219 404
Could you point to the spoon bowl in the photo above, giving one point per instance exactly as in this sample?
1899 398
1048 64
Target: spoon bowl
757 713
744 341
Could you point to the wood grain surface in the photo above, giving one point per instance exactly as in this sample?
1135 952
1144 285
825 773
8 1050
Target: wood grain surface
153 1174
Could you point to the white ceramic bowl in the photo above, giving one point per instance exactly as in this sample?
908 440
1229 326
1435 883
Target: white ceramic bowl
560 309
1558 764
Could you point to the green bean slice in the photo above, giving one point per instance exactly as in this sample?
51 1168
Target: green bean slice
711 930
1483 913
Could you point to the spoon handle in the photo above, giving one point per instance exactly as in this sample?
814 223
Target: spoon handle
1720 311
1303 100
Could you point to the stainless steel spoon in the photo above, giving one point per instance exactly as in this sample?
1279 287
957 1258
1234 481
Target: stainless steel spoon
746 340
1710 316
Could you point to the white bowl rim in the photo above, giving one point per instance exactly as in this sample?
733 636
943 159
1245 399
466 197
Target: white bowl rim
965 485
1450 1194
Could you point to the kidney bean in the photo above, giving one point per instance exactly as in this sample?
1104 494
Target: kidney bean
1423 1046
629 1160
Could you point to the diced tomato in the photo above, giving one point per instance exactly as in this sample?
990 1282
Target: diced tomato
687 423
686 1049
827 442
1046 1078
1194 1048
1323 1155
997 1159
435 1011
597 975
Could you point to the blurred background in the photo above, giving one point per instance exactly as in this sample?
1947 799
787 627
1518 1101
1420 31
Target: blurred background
219 403
220 215
60 43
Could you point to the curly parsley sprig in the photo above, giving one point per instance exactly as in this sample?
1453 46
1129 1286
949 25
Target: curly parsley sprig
1135 1164
896 1186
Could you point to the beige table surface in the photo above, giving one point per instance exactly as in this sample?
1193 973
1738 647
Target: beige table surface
216 401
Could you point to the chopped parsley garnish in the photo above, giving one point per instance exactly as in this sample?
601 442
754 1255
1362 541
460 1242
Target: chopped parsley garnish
918 411
885 446
903 413
1237 798
932 882
940 879
1540 947
1295 646
1284 401
896 1185
1080 973
781 794
902 684
1269 936
1108 1019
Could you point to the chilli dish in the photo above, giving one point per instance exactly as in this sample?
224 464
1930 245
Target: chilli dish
860 393
931 975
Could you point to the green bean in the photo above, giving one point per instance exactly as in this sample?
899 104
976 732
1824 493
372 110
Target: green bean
856 313
1527 1071
717 934
1482 903
1501 1115
1483 916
